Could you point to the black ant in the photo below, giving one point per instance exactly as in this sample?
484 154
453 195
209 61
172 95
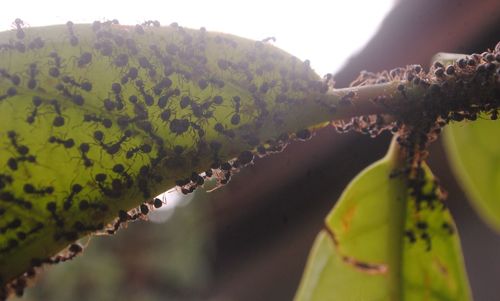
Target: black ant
145 148
163 100
120 169
52 207
107 123
148 99
179 126
235 119
84 59
30 189
37 101
75 189
67 143
115 147
10 198
15 79
32 74
121 60
19 27
86 86
54 71
14 224
21 149
84 149
219 128
73 39
10 92
132 74
75 98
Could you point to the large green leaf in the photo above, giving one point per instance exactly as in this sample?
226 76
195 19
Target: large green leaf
474 154
376 245
96 119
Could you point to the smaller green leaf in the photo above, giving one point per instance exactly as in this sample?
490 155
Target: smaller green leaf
380 243
474 155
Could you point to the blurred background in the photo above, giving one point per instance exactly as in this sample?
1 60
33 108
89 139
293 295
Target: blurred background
250 239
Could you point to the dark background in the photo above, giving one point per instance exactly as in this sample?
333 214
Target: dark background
250 239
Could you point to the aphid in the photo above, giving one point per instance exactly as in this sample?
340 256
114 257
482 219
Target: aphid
67 143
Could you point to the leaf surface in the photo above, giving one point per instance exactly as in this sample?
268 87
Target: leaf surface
97 119
376 244
474 154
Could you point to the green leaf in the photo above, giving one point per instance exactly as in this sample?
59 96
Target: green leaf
474 154
96 119
376 245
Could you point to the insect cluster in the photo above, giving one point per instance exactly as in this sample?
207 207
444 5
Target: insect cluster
98 118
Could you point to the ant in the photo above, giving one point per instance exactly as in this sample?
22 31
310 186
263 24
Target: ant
179 126
107 123
32 74
84 149
75 189
148 99
75 98
54 71
219 128
86 86
21 149
84 60
30 189
73 39
235 119
145 148
67 143
15 79
37 101
19 27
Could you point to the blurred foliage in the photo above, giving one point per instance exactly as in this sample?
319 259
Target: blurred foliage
474 154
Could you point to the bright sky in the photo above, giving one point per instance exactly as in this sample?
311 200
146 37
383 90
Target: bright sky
325 32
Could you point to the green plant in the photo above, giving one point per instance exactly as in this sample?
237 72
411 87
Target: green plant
98 119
